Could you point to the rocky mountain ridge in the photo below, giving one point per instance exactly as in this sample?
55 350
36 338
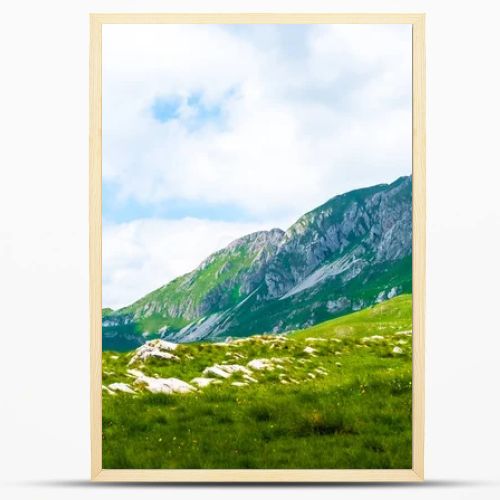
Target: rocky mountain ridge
349 253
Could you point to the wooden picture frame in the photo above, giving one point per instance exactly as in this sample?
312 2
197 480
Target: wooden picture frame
416 473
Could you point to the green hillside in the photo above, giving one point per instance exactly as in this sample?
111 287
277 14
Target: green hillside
335 395
382 319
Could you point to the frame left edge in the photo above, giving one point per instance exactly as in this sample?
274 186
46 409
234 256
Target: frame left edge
95 243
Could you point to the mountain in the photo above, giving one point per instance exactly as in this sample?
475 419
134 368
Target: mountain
351 252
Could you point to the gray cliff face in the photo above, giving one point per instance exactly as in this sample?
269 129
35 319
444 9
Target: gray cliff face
241 265
375 225
260 247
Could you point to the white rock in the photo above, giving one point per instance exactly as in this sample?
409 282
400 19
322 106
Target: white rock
235 369
156 348
239 384
397 350
164 345
404 332
260 364
216 371
371 339
168 346
178 386
164 385
281 360
309 350
108 390
161 354
235 355
154 385
321 371
121 387
250 379
204 381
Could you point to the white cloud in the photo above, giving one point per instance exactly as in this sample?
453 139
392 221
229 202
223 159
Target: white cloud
142 255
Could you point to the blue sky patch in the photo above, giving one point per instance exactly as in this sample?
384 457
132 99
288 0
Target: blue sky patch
193 112
117 210
165 109
203 113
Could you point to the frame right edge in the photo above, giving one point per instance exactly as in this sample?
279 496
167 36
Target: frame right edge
419 245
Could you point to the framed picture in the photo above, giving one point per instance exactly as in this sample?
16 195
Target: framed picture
257 247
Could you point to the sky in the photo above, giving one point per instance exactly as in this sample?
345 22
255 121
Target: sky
211 132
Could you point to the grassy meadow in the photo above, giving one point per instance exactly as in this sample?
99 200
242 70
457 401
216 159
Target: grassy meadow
336 395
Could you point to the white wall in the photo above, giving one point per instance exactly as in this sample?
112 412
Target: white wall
44 429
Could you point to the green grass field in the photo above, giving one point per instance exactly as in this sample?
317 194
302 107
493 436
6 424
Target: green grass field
344 402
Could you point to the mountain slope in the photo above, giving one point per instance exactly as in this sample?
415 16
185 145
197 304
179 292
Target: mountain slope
347 254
